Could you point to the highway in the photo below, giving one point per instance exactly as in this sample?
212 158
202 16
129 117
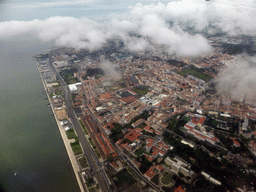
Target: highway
96 166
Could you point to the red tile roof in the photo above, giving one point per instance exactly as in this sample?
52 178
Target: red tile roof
155 153
149 140
150 144
103 147
201 120
110 146
114 154
188 126
136 162
161 152
138 130
124 145
128 148
149 158
236 143
119 141
105 96
114 164
129 99
179 189
150 173
138 123
154 149
159 167
147 128
110 125
132 135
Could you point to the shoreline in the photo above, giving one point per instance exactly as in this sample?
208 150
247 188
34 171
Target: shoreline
65 140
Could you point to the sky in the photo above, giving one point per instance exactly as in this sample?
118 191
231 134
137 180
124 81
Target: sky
176 26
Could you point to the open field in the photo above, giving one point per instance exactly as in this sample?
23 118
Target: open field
61 114
123 180
83 162
166 179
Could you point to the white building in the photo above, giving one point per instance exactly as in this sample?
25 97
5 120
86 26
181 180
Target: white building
72 88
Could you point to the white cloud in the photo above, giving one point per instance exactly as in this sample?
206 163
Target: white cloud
55 3
199 14
238 80
176 26
63 3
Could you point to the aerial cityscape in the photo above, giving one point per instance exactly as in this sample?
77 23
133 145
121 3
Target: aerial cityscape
155 118
160 99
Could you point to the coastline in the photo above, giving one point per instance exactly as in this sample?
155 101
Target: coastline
65 140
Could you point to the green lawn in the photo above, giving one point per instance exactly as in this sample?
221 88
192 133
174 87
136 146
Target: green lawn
73 96
58 91
71 134
155 179
89 184
91 142
141 90
195 73
185 118
83 162
214 123
51 94
68 75
97 153
76 147
82 125
167 178
139 151
183 129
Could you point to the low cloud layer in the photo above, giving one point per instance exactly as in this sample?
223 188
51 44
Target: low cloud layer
111 70
176 26
238 80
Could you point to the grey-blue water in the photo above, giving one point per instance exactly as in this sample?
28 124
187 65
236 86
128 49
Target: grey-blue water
30 142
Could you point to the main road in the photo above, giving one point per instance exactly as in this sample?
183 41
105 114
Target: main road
95 165
126 159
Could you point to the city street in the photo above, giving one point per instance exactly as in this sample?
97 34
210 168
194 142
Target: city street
91 157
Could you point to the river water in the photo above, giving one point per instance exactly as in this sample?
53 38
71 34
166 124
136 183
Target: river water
32 154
